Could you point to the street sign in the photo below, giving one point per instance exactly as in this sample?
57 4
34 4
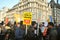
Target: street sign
27 18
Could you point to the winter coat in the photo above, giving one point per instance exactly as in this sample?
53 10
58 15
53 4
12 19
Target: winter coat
19 33
53 34
31 35
58 33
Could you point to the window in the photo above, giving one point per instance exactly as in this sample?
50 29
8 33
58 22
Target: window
34 16
42 0
30 4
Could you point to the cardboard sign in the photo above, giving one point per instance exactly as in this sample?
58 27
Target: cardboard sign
27 18
17 17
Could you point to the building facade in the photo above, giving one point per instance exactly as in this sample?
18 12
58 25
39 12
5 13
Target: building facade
3 13
39 8
58 16
55 11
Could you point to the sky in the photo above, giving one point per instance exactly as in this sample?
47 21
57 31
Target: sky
10 3
55 1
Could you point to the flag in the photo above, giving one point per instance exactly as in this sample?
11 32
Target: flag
51 19
6 20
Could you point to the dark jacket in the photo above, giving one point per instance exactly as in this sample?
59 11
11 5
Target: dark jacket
19 33
58 33
53 34
32 36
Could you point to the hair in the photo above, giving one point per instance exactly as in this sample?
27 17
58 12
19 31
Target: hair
21 22
33 23
50 23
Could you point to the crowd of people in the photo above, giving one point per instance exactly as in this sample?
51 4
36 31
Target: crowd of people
17 31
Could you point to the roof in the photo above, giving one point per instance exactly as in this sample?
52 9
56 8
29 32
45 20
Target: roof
52 2
57 5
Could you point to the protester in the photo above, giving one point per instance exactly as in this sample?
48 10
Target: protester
16 31
19 33
0 29
12 33
32 33
40 32
52 31
2 34
44 30
7 32
58 32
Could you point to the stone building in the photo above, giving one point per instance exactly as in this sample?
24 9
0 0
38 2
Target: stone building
40 9
55 11
3 13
